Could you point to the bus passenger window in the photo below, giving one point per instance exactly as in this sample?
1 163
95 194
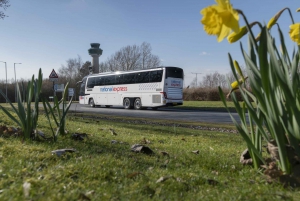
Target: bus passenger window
142 77
129 78
99 81
119 79
110 80
156 76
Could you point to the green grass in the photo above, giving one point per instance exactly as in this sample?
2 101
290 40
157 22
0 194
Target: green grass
105 171
206 105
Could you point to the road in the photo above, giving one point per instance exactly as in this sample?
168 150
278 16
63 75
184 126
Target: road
162 113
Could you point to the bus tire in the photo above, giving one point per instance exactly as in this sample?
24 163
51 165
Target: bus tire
107 106
127 103
154 108
137 104
91 102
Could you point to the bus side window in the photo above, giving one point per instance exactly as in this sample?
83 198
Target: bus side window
142 77
129 78
119 79
99 81
110 80
91 82
156 76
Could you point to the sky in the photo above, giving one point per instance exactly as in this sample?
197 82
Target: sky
45 34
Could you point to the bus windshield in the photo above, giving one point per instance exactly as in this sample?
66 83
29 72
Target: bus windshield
174 72
82 87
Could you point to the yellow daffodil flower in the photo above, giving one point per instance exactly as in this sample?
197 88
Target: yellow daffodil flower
220 19
295 32
233 37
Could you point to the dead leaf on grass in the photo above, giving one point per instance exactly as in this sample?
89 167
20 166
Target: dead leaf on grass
26 188
164 153
245 158
82 196
195 152
145 141
141 149
134 174
112 131
163 179
215 172
60 152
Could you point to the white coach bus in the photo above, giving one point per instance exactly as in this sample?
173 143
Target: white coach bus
154 88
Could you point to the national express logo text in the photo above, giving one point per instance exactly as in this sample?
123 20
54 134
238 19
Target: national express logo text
117 89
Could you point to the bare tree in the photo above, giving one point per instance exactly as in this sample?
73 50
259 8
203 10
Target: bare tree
148 60
131 58
214 80
71 71
3 4
193 84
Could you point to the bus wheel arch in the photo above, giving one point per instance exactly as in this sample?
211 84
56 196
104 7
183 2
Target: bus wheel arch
91 102
137 104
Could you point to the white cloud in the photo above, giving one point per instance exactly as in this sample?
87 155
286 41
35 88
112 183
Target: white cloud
204 53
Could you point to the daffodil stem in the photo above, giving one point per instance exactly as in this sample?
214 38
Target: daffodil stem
248 27
291 15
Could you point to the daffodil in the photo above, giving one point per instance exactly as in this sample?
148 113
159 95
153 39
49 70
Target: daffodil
220 19
233 37
238 69
271 22
295 32
274 19
235 85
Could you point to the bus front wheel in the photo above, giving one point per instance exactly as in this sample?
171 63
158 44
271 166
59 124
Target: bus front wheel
126 103
92 103
137 104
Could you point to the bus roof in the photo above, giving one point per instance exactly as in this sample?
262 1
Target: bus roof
139 70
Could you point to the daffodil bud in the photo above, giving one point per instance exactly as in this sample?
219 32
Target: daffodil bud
271 22
235 85
298 10
233 37
274 19
238 69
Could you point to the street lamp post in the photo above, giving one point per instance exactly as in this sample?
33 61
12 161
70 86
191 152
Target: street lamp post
196 78
16 81
5 78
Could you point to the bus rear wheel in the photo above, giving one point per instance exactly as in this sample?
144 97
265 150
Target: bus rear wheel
92 103
137 104
126 103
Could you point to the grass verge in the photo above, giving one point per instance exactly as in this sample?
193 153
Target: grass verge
104 168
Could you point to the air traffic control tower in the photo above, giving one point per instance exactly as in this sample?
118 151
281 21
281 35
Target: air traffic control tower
95 52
